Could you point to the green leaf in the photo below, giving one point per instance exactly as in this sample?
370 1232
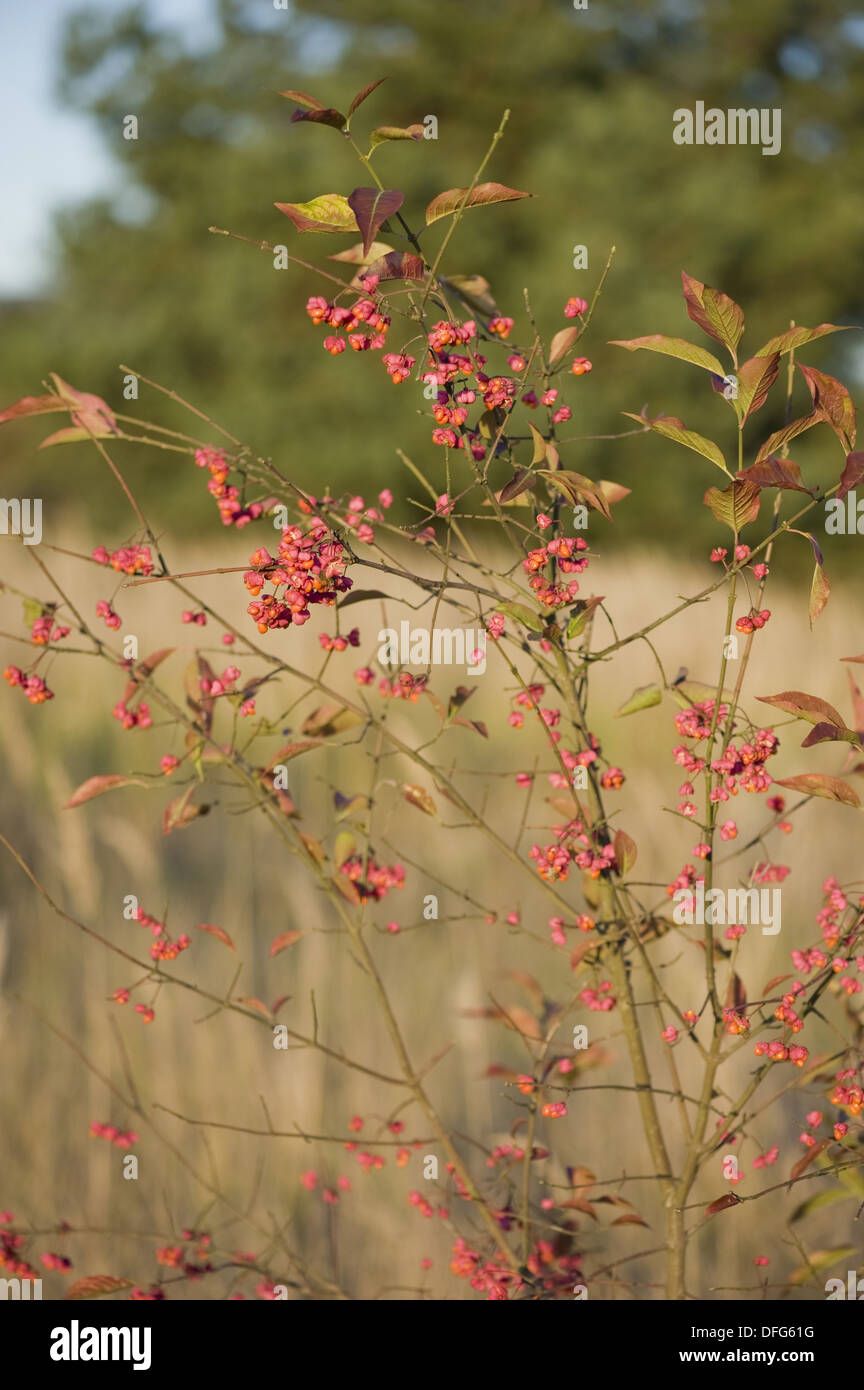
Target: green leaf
583 614
714 311
540 445
736 506
329 212
828 1198
673 347
523 615
797 337
343 847
671 428
642 698
820 1260
382 133
448 202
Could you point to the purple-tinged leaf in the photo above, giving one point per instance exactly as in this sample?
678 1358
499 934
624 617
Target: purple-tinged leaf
372 207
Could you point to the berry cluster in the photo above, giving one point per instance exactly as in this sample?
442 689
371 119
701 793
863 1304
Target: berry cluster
309 568
33 687
129 559
231 509
379 879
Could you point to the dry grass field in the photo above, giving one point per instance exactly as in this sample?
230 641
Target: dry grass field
63 1039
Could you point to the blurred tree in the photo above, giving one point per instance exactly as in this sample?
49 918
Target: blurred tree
592 92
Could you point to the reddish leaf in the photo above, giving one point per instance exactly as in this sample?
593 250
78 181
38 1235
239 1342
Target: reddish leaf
755 379
314 848
448 202
852 474
831 397
625 851
820 589
89 413
95 786
822 733
722 1204
775 472
279 943
96 1286
776 440
144 669
521 1021
372 207
521 481
218 932
321 116
776 980
252 1003
398 265
364 93
804 706
347 888
293 750
420 798
561 344
582 1204
277 1003
810 1157
821 784
494 1069
629 1219
180 811
304 99
32 405
715 312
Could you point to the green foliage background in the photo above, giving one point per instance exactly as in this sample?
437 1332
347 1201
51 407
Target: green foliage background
140 279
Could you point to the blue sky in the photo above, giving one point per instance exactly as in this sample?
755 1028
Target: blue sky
49 156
